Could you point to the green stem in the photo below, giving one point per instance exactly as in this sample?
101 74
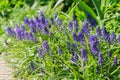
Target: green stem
97 6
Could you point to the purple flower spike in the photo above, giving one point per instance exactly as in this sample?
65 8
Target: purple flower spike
40 53
41 14
115 61
93 39
45 46
32 66
75 37
85 28
70 26
105 34
94 48
74 57
18 32
60 51
98 31
26 21
75 25
74 17
59 22
46 31
81 37
109 54
100 59
119 38
10 31
30 36
113 36
84 55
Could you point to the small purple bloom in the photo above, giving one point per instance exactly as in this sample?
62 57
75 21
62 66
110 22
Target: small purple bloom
40 53
59 22
60 51
74 17
93 22
119 38
105 34
75 25
81 37
46 31
113 36
35 40
100 58
70 26
30 36
98 31
115 61
41 14
95 48
109 54
32 66
85 28
74 57
75 37
45 46
93 39
84 55
26 21
10 31
18 32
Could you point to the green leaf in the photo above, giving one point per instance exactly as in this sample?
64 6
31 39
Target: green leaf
97 7
1 32
86 8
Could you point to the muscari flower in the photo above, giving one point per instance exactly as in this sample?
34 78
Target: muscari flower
74 57
84 55
10 31
119 38
81 37
30 36
70 26
93 22
113 36
74 17
98 31
26 21
115 61
105 34
46 31
18 32
45 46
93 39
59 22
32 66
100 58
40 53
75 37
75 25
60 51
95 48
109 54
85 28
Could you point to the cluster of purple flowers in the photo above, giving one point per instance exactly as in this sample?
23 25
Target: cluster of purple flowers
42 24
94 39
34 25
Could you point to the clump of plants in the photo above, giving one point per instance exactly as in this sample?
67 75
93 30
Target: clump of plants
49 48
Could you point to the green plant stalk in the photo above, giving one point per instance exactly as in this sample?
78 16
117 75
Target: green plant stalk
97 7
86 8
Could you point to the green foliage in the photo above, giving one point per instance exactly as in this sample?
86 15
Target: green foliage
58 66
